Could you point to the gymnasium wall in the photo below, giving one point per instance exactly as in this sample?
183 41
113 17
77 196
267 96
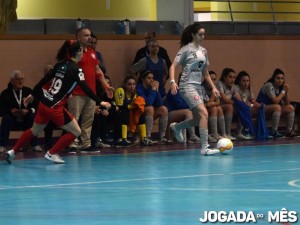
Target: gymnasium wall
258 55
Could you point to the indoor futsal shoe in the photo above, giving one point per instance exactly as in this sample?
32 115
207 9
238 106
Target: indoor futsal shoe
209 151
10 155
54 158
177 133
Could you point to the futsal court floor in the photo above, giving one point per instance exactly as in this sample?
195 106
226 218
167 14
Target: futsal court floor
160 185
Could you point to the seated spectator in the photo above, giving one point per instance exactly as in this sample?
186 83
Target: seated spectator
179 111
154 63
275 95
125 98
16 115
104 120
143 52
227 90
148 89
245 94
215 112
297 117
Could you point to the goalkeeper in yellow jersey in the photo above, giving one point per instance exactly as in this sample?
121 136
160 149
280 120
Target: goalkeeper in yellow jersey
130 109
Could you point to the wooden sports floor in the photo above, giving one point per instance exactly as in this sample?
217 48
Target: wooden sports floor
160 185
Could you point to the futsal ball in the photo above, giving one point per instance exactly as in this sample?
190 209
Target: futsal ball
225 146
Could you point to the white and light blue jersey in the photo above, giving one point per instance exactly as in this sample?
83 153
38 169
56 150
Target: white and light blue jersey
194 61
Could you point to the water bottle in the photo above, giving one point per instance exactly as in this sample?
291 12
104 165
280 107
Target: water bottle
177 28
161 28
127 26
78 23
121 28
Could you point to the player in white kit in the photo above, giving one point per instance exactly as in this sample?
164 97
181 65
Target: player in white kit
194 60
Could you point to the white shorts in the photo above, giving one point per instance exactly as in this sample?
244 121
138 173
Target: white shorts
191 94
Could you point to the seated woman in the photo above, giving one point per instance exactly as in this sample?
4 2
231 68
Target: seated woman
148 88
126 102
179 111
227 90
104 120
245 94
215 112
274 94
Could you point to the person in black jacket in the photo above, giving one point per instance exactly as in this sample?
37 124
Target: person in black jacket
16 116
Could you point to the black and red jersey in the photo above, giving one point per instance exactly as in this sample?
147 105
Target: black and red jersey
64 77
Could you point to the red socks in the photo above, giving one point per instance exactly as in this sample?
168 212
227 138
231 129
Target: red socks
23 140
63 142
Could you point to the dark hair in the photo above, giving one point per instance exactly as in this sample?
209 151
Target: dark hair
240 76
275 73
93 36
211 72
107 77
186 36
143 75
205 83
153 33
129 77
68 49
225 73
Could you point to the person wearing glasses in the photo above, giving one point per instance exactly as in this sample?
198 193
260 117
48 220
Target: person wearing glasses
15 115
275 95
144 51
194 60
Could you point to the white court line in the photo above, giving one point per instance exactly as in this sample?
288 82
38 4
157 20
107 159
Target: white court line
183 189
263 171
141 179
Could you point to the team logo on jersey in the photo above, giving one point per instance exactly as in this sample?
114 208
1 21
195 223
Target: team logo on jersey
93 55
177 58
120 95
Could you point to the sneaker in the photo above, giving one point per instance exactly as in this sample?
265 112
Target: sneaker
37 148
147 141
211 139
136 140
209 151
240 136
277 135
231 137
164 140
101 144
10 155
54 158
291 134
2 149
124 143
89 149
194 139
177 133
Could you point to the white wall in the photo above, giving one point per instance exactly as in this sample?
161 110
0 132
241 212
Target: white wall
175 10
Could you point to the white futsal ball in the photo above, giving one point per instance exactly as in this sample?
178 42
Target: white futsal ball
225 146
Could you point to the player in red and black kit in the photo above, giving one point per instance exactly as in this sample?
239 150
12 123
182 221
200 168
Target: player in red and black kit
64 77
